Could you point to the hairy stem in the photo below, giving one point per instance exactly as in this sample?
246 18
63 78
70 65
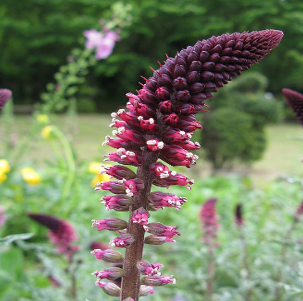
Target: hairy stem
131 279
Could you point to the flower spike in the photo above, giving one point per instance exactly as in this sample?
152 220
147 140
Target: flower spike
5 95
61 233
158 124
295 101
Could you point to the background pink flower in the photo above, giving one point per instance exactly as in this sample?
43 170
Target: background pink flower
104 44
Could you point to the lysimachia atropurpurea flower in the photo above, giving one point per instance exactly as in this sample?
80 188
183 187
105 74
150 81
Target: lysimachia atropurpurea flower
61 234
158 125
5 95
295 101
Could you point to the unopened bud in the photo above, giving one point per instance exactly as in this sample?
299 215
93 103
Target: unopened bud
157 240
111 273
109 288
159 229
111 224
158 280
108 255
146 290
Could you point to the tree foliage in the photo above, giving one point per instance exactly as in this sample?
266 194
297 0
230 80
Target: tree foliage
37 36
234 129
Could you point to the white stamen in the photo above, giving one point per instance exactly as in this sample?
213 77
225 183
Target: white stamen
151 120
151 142
106 141
121 130
121 111
189 135
120 151
113 114
140 118
173 173
160 145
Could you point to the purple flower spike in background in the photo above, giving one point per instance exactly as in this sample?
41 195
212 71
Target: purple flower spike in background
2 217
239 220
295 101
5 95
158 125
104 43
61 233
210 224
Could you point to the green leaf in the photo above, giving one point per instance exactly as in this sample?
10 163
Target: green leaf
11 238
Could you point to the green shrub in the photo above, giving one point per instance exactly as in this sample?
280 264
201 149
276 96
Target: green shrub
234 129
225 136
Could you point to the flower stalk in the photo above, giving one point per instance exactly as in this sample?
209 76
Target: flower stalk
297 217
239 221
210 225
159 124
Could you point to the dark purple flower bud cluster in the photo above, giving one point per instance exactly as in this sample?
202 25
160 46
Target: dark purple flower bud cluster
295 101
158 124
239 220
61 233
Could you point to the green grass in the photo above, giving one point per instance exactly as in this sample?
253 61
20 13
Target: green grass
283 154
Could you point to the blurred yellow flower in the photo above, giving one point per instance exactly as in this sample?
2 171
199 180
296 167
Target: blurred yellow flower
46 132
100 178
95 167
3 176
30 176
42 119
4 166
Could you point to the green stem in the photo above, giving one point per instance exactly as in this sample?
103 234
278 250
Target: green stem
287 237
71 166
26 143
245 260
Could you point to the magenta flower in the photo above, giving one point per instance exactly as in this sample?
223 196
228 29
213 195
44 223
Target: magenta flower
299 210
104 43
210 225
295 101
5 95
2 217
158 125
149 269
61 233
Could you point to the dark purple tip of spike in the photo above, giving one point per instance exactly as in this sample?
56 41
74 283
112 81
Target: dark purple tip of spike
295 101
48 221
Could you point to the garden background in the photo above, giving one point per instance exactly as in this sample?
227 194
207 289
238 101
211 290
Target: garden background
59 115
